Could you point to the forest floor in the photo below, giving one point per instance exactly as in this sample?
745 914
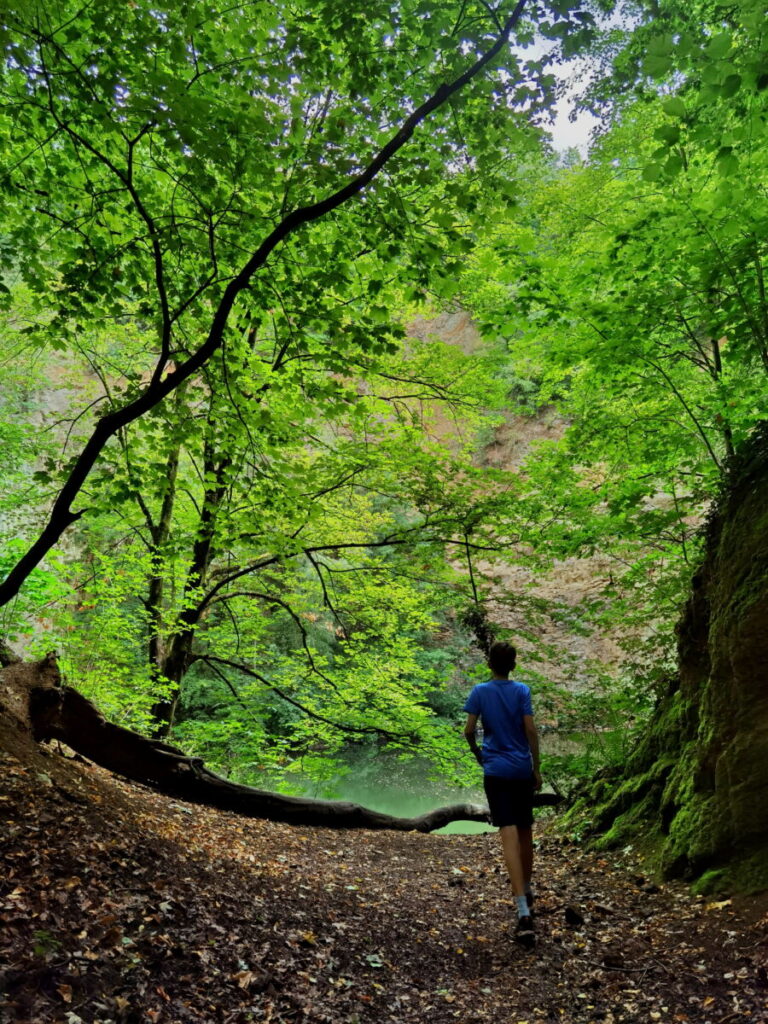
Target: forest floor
120 905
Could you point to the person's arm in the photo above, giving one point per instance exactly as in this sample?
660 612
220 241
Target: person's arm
533 742
470 734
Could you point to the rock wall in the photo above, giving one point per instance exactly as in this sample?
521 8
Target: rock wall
562 653
699 777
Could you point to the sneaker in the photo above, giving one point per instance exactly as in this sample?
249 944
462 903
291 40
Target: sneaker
524 933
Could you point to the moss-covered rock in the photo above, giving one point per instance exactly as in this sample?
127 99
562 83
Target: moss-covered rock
698 779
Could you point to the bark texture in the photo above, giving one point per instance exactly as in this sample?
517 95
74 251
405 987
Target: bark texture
700 773
32 696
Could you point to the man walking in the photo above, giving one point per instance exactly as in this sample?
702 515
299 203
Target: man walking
510 763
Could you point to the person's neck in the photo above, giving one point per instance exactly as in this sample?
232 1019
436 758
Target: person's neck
501 678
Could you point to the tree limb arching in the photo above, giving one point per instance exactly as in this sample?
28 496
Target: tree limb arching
62 516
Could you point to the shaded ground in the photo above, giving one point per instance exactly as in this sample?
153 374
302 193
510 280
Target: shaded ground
118 905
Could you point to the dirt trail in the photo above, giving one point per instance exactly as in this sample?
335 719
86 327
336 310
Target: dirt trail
118 905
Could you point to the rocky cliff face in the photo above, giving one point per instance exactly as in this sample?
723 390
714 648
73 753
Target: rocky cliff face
555 645
700 774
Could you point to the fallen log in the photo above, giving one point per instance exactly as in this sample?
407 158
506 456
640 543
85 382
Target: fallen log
57 712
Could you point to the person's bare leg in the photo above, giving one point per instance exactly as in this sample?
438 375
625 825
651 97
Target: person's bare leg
510 844
525 839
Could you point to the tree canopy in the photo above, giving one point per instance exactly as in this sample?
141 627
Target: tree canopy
221 221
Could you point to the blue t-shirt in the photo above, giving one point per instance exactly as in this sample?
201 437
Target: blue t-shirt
501 705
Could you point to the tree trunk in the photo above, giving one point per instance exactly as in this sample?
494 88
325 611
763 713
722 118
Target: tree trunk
177 661
700 772
172 671
32 694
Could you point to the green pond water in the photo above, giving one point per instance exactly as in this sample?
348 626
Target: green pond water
405 788
397 788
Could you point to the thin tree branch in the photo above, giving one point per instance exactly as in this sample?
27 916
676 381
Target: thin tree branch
362 729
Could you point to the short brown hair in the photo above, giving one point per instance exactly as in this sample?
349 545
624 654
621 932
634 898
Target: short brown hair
502 658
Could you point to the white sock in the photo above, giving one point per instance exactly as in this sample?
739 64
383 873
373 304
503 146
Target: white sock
522 906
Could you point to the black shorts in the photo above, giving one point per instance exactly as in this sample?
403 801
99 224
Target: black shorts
510 801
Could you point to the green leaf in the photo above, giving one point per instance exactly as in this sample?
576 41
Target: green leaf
727 165
674 164
674 106
652 172
730 86
668 133
657 67
719 46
